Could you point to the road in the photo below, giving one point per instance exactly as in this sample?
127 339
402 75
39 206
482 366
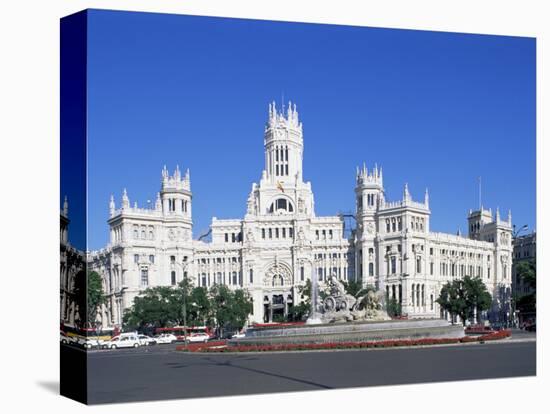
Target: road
160 372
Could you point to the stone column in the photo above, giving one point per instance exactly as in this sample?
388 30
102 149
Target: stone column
405 308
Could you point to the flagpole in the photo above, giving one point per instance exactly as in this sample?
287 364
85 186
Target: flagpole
480 193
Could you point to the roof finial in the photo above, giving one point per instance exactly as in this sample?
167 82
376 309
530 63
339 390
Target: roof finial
66 207
125 199
112 206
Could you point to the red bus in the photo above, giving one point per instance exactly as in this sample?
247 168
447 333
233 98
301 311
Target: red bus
178 331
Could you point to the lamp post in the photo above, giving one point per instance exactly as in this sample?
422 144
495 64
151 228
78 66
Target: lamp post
515 232
184 265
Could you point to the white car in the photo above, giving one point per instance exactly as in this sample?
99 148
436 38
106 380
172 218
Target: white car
166 339
89 343
146 340
123 341
238 335
198 337
64 338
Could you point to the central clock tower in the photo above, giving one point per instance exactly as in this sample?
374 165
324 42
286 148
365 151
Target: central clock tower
282 189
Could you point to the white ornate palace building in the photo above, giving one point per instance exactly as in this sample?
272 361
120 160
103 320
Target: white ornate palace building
281 243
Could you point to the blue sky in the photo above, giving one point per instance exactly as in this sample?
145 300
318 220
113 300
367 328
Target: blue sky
436 110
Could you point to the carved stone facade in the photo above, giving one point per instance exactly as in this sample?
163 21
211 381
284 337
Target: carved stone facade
281 243
72 264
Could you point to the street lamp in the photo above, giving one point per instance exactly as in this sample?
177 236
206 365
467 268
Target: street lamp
184 266
515 232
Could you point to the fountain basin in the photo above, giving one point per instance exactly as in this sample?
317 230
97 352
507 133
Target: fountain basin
351 331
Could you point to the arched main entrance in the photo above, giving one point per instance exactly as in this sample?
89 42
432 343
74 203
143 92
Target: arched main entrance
277 292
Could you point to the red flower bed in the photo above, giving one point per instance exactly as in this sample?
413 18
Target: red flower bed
350 345
194 347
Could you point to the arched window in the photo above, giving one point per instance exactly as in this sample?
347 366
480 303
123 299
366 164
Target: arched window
173 278
281 205
277 280
371 269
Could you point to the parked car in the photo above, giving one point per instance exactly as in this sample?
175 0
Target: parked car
123 341
146 340
90 343
64 338
238 335
198 337
166 339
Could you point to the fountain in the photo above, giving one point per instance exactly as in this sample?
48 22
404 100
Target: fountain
314 318
341 317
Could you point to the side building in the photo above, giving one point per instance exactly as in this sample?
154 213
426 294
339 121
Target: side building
525 249
281 243
72 265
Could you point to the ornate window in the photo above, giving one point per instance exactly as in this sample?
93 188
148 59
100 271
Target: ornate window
144 277
277 280
281 205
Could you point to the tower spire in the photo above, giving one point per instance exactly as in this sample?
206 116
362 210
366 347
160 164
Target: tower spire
66 207
112 206
406 195
125 199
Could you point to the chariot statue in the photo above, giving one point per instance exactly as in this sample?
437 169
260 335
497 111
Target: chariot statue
341 306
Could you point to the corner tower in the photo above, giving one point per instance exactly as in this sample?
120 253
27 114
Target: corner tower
369 191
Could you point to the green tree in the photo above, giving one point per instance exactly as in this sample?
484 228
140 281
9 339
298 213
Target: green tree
89 296
229 308
476 295
526 270
158 306
200 309
451 299
465 297
393 307
353 287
